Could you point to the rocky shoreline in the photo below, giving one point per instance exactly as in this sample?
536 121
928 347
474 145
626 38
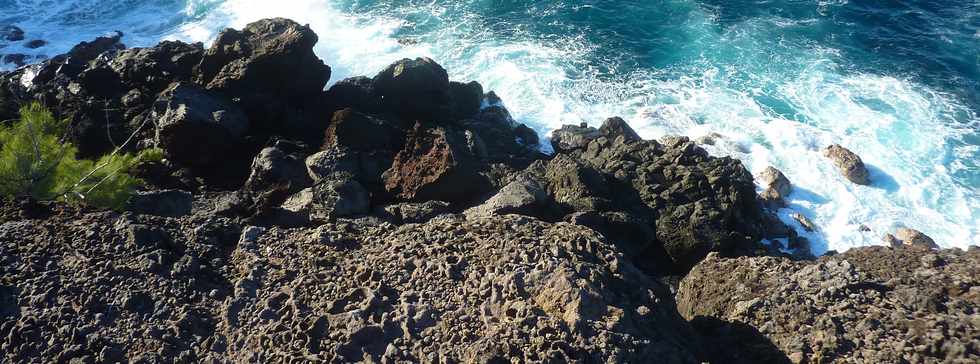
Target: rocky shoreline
409 218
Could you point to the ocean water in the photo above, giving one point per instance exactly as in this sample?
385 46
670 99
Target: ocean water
897 81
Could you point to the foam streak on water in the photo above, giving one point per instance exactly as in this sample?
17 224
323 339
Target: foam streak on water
778 86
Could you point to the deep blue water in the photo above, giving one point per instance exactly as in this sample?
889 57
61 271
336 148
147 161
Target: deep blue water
898 82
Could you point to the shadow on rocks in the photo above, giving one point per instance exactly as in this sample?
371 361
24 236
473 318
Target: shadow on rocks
736 342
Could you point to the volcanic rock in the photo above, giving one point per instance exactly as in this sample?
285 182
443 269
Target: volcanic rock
415 89
436 164
196 127
274 166
170 203
849 164
850 307
775 187
271 69
11 33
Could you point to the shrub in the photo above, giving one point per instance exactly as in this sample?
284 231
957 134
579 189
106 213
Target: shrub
37 161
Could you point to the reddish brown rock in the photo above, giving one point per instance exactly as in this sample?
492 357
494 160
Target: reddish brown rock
436 164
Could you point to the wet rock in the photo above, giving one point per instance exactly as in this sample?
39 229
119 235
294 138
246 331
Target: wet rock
35 44
570 137
505 140
776 187
849 164
804 222
709 139
17 59
436 164
196 127
11 33
170 203
914 237
414 89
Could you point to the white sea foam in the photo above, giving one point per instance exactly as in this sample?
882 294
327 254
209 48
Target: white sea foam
903 130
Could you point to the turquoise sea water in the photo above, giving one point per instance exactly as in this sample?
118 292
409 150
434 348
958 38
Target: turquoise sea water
898 82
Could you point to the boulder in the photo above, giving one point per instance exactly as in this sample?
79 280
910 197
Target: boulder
152 69
523 196
775 187
169 203
11 33
274 166
270 67
466 99
195 127
414 89
35 44
360 132
570 137
355 92
617 127
333 162
849 164
506 141
804 222
436 164
329 200
413 212
914 237
575 186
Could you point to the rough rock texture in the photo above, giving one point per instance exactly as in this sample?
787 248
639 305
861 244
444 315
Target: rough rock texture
100 286
414 89
197 127
271 68
914 237
775 187
849 164
868 305
437 163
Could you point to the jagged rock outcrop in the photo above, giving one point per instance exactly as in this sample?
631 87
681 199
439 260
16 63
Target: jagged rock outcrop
415 89
872 305
270 67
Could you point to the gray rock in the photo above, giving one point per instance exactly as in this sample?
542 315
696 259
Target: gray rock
196 127
274 167
329 200
849 164
524 196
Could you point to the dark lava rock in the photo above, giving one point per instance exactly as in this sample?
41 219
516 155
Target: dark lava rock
11 33
152 69
17 59
270 68
360 132
277 167
415 89
505 140
197 127
466 99
436 164
776 187
354 92
35 44
329 200
171 203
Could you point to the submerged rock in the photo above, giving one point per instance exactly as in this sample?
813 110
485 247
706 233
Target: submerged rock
11 33
849 164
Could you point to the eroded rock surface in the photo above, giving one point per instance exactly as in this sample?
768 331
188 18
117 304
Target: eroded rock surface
870 305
